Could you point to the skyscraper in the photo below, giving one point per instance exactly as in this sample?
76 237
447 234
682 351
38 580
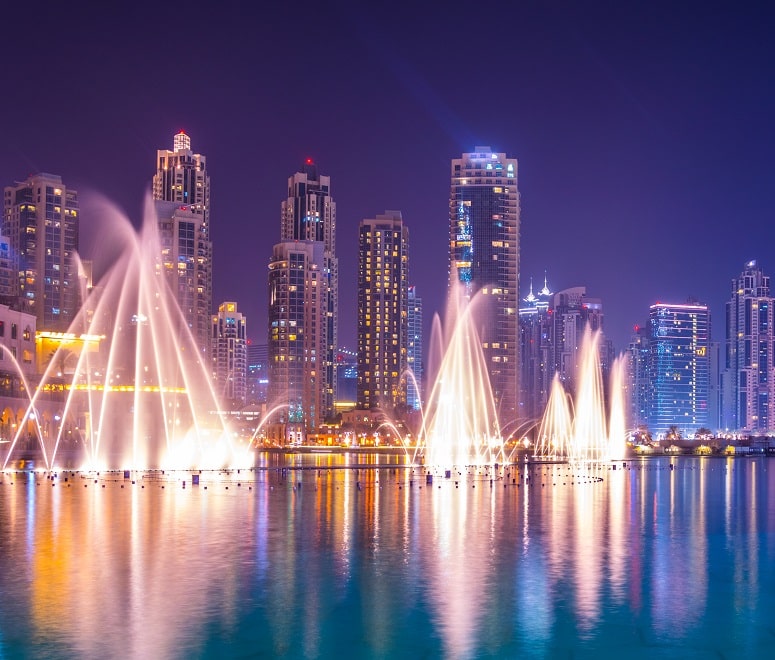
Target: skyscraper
297 337
41 220
309 214
484 258
749 378
536 340
181 177
414 351
679 361
638 381
230 352
180 227
383 301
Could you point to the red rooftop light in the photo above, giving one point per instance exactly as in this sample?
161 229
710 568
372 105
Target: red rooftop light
309 161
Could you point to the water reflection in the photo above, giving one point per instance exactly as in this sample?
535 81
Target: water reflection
330 557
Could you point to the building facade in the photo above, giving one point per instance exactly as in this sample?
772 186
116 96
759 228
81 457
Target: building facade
230 355
41 221
309 214
679 367
749 377
638 380
536 340
297 339
484 217
181 179
383 312
180 264
414 351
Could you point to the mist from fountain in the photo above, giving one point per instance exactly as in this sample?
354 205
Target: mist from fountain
579 430
140 395
460 421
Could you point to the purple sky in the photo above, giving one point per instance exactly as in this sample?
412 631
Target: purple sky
644 131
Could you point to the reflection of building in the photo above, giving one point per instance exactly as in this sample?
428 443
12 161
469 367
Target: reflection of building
749 377
414 350
309 214
230 354
679 342
383 289
40 219
484 257
297 332
181 178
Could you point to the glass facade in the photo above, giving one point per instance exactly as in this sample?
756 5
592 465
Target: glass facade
679 368
484 259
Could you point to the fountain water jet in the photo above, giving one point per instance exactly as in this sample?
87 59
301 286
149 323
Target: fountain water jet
142 398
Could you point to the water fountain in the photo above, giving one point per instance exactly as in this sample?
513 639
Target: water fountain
126 387
578 429
460 422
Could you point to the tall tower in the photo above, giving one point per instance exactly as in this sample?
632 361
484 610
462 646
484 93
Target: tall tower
536 338
749 376
40 219
230 354
309 214
383 301
414 351
181 177
484 258
297 338
679 367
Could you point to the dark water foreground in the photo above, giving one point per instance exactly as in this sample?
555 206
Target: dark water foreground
327 561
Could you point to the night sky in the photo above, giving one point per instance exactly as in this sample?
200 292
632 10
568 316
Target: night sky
644 131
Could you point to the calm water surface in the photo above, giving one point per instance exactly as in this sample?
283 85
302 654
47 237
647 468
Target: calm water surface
331 561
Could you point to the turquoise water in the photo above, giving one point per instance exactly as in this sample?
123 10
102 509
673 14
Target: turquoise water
373 562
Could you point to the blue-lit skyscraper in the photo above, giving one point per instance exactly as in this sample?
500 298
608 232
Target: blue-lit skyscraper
749 380
679 365
484 257
414 352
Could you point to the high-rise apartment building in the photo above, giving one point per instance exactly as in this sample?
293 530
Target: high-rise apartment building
180 264
536 340
297 338
41 220
309 214
638 380
572 312
258 373
484 259
230 355
679 365
749 377
383 310
181 177
414 351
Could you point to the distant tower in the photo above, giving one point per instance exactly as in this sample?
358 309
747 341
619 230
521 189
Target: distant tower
309 214
572 312
297 332
749 377
414 350
535 347
638 378
383 301
230 354
181 177
484 257
41 219
679 361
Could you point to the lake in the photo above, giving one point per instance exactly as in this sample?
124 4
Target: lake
323 556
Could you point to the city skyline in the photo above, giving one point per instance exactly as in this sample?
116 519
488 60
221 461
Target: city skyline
643 143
